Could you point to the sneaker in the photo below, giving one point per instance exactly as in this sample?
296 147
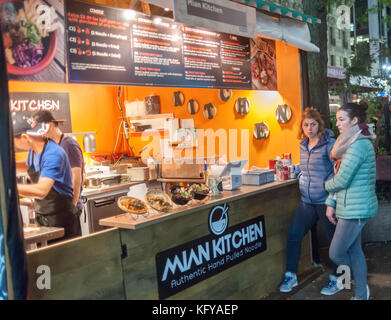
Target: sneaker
290 281
332 287
354 298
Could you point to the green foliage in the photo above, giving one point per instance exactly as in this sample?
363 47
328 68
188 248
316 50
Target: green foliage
333 122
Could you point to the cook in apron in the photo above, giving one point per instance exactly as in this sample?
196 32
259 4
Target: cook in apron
55 210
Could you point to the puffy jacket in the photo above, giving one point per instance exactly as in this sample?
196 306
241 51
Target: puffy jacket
316 167
355 183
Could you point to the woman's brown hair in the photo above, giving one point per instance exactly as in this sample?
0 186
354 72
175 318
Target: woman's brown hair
311 113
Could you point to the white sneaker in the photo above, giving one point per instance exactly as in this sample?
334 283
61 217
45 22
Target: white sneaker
332 287
290 281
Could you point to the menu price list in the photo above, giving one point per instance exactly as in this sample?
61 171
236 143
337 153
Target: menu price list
157 51
235 61
110 45
98 43
201 50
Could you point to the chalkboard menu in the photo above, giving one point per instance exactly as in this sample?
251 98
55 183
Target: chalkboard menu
118 46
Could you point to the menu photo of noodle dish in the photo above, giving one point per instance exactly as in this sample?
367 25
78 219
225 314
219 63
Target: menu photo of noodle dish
263 64
33 38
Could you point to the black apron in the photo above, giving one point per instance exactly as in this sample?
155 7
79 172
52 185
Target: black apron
55 210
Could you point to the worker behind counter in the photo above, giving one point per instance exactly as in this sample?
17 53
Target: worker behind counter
72 149
50 173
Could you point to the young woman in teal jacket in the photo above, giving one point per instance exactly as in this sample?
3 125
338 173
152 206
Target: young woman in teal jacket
352 198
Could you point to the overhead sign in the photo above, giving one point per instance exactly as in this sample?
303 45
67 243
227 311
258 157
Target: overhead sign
220 15
116 46
185 265
57 103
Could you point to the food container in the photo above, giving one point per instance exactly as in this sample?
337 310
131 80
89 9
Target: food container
198 195
132 205
292 172
258 176
158 200
215 185
272 164
286 173
177 196
138 173
92 182
188 168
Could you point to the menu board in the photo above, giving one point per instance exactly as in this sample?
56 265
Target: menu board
156 51
201 52
235 61
98 43
117 46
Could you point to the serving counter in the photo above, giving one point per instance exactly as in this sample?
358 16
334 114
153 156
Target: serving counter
231 246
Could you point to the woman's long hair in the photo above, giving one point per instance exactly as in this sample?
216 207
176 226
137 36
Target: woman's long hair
311 113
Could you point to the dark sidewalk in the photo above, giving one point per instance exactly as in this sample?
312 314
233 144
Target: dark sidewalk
378 257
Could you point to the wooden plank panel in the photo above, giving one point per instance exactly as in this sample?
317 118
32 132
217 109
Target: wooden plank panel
87 267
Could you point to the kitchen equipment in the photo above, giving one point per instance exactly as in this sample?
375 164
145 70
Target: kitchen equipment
232 174
99 160
182 168
22 178
111 180
92 182
138 173
89 143
97 207
257 176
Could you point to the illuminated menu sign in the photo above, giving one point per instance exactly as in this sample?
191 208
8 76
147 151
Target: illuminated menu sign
117 46
98 43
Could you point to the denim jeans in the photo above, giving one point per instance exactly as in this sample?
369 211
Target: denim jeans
305 217
345 250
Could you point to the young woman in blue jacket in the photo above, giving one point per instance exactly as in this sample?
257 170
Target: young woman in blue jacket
315 168
352 197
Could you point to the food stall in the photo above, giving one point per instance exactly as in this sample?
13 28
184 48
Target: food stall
189 101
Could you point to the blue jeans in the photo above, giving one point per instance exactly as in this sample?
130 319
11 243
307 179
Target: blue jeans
345 249
305 217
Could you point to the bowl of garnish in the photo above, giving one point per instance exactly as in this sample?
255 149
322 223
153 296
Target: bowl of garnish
180 195
29 30
199 191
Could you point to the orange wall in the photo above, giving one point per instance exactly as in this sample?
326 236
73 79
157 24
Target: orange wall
94 108
282 138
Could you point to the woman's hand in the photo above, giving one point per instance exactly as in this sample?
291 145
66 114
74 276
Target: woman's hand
330 213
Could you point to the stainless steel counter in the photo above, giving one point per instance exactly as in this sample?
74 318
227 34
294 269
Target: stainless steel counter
94 191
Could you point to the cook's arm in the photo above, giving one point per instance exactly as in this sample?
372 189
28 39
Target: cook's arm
76 181
37 190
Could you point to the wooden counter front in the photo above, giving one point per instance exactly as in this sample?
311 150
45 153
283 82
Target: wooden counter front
120 263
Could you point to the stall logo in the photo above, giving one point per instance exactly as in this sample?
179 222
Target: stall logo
185 265
218 219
